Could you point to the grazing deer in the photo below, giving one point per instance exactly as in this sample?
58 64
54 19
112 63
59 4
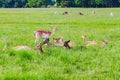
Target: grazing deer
80 13
16 48
43 34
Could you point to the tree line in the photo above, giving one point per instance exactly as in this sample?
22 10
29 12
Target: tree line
58 3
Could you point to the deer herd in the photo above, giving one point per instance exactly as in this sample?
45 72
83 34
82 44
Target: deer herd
81 14
60 42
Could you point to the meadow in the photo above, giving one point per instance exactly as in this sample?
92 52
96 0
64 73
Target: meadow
17 27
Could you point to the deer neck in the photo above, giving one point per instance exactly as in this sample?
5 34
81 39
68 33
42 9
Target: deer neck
53 31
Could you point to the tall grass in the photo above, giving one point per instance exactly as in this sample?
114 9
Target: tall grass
18 25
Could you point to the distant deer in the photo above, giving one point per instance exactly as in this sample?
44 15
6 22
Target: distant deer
65 13
93 12
80 13
43 34
111 14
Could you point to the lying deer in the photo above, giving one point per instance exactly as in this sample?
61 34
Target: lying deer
43 34
93 12
93 43
60 42
65 13
16 48
80 13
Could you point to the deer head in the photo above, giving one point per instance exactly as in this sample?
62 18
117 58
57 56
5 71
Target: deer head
84 38
53 30
39 47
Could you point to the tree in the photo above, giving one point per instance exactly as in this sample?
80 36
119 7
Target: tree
39 3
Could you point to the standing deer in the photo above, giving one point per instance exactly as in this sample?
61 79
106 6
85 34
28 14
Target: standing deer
43 34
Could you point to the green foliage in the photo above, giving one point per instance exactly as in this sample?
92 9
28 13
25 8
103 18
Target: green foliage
38 3
62 3
17 76
24 55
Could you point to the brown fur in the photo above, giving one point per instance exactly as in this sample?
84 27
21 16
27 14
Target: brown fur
80 13
65 13
39 48
60 42
43 34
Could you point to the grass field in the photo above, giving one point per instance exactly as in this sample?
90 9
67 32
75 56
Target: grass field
17 27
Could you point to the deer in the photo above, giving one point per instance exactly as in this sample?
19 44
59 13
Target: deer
65 13
80 13
43 34
60 42
93 43
111 14
93 12
39 48
16 48
89 43
104 43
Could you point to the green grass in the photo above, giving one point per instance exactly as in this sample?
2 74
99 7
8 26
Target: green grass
17 27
